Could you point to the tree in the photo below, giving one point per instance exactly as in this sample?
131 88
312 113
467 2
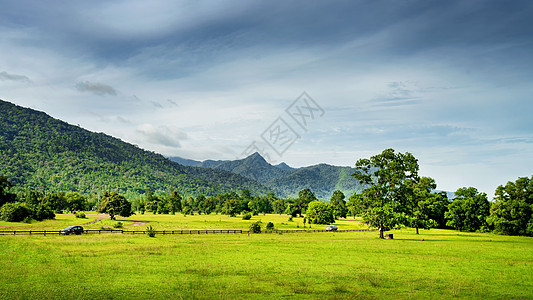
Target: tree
279 206
56 201
339 205
15 212
5 196
319 212
114 204
230 207
469 210
75 201
386 176
420 213
305 197
512 213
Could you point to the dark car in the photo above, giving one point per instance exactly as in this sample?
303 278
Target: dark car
72 230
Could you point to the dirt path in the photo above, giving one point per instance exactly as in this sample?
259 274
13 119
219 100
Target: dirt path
100 217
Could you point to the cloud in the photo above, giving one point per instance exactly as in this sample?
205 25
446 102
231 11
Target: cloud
98 89
4 76
167 136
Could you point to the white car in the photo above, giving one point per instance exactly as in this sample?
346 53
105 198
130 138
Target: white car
331 228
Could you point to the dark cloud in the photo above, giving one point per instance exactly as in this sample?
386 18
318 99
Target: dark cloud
99 89
4 76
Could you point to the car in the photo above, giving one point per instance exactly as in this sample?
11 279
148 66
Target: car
72 230
331 228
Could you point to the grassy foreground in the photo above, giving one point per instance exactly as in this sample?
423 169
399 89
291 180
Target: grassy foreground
435 264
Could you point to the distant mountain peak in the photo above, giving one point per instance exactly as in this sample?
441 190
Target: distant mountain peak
284 166
256 157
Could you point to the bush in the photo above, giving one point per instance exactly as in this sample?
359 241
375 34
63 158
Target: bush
118 225
150 231
270 226
80 215
43 212
255 227
247 216
15 212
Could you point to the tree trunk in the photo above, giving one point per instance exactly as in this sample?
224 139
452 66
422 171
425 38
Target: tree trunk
112 217
381 233
416 230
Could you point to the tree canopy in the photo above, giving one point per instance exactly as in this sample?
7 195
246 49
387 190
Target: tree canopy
386 176
115 204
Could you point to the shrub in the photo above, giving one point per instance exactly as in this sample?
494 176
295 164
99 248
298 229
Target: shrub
255 227
80 215
43 212
15 212
270 226
150 231
247 216
117 225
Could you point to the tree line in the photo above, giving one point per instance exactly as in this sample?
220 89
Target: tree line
394 195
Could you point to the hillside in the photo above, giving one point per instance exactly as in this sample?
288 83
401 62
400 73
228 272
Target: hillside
285 181
42 153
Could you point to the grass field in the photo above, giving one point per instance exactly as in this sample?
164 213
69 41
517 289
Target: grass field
355 265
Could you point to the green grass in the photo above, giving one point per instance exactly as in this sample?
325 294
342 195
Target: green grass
176 222
356 265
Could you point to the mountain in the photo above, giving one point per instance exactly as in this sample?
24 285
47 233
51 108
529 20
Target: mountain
285 181
39 152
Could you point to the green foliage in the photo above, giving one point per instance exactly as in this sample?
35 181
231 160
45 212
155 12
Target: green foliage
255 227
15 212
114 204
75 201
387 177
80 215
339 205
5 195
118 225
512 213
247 216
270 226
150 231
320 213
231 207
469 210
42 153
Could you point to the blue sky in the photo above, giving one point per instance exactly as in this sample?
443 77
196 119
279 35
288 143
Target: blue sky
449 81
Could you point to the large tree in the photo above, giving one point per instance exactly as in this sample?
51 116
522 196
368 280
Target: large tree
339 205
469 210
512 213
426 208
319 212
114 204
386 177
305 197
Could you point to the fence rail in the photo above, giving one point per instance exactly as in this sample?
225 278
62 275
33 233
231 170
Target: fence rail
165 232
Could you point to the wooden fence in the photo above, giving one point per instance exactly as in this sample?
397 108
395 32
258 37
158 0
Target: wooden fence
165 232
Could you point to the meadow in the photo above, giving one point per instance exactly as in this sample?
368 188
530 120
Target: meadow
342 265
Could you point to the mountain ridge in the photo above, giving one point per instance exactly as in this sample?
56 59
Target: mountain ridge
43 153
323 179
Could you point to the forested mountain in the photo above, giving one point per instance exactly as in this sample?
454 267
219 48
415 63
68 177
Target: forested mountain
39 152
285 181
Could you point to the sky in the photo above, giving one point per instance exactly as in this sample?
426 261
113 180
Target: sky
301 82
